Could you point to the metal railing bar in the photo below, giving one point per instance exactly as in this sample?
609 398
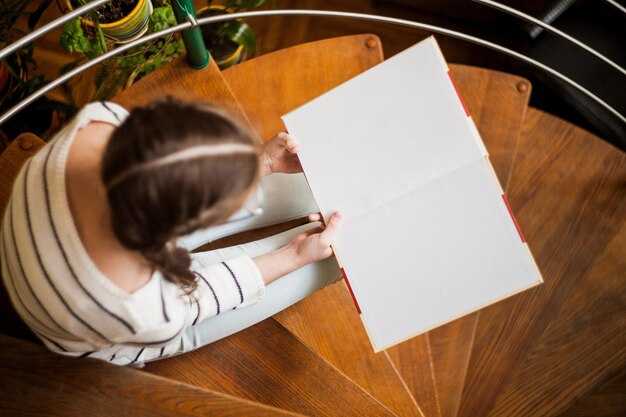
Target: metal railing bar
50 26
322 13
617 5
549 28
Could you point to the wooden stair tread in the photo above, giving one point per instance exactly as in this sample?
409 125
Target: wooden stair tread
567 192
580 348
320 66
413 360
274 84
267 364
608 400
497 103
38 382
327 322
179 80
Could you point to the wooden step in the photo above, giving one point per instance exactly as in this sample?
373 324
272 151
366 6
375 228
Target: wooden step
272 85
608 400
267 364
37 382
497 103
413 360
283 89
327 322
179 80
581 348
567 191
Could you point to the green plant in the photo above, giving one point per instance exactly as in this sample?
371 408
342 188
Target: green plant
117 73
73 39
20 64
237 31
20 67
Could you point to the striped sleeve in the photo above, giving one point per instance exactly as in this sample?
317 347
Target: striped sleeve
223 286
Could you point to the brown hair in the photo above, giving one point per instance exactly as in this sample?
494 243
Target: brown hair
152 206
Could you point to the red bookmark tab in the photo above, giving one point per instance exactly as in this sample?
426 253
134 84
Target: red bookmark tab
513 217
458 94
345 277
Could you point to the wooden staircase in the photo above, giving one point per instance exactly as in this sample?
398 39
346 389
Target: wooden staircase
558 349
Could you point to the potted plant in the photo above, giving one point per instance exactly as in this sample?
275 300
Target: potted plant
117 73
120 20
229 41
17 79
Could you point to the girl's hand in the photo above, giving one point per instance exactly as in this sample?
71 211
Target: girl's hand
280 155
310 246
314 245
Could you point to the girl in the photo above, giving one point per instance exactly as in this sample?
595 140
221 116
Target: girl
94 254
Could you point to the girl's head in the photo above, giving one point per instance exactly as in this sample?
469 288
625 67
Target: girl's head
171 168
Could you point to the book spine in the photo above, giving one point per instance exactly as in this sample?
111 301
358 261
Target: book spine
458 94
508 207
345 277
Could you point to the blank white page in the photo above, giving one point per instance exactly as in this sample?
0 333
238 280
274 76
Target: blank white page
427 235
399 125
440 252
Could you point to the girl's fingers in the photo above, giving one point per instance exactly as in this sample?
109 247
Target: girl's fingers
331 228
316 217
292 144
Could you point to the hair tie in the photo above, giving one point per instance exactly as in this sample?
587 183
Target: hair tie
194 152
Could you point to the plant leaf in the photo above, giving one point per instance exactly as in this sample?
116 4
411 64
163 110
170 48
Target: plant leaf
241 34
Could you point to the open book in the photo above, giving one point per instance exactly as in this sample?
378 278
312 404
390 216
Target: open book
428 235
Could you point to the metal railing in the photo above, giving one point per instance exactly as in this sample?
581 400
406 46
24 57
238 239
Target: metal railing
188 22
551 29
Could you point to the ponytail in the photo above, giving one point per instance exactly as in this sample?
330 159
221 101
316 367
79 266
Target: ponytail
173 263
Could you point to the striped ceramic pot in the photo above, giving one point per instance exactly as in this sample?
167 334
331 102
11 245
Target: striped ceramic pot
132 26
129 27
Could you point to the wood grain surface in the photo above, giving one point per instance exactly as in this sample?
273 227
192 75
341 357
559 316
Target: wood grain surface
567 191
327 322
609 400
36 382
413 361
583 346
497 103
180 81
274 84
268 87
267 364
451 346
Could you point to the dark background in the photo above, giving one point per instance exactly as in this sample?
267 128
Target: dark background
593 22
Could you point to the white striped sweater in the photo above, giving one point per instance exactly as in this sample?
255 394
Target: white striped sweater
68 303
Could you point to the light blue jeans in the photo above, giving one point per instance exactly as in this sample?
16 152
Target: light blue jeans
287 197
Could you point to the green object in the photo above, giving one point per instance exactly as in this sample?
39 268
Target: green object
197 54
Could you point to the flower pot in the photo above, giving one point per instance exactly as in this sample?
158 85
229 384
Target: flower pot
129 28
225 52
